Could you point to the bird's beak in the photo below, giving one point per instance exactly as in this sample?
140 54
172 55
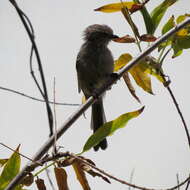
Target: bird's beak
114 37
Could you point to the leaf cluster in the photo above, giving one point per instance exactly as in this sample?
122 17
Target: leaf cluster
149 66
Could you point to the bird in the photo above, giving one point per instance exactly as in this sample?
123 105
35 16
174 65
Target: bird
94 65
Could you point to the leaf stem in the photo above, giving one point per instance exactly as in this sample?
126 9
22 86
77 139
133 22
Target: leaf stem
127 16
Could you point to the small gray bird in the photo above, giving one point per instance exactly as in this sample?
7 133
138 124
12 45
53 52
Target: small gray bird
94 66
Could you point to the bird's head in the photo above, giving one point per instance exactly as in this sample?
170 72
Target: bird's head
100 34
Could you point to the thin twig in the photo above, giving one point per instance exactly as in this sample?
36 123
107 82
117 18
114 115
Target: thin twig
55 119
36 99
67 124
175 101
131 177
177 176
34 46
36 162
180 114
32 72
123 181
164 56
49 179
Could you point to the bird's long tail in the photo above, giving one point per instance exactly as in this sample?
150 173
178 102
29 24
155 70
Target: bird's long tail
98 119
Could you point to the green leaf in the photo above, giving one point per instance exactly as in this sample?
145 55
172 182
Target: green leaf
177 50
150 28
169 25
164 44
184 42
154 68
10 170
3 184
19 187
179 44
109 128
181 18
158 13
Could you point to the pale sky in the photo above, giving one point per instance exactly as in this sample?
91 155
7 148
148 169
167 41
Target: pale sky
154 144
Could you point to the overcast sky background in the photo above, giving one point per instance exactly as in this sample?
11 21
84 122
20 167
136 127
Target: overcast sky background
154 144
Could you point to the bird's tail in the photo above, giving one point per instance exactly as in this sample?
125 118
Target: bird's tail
98 119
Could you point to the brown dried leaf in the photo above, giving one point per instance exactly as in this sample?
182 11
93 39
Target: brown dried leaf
87 160
81 175
28 180
40 184
125 39
130 86
67 162
148 38
89 170
61 178
136 7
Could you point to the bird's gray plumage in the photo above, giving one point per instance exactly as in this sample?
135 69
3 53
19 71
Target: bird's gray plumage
94 66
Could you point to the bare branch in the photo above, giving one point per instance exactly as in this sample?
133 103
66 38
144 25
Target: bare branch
36 99
55 119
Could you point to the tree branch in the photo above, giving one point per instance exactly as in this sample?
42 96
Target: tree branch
30 32
67 124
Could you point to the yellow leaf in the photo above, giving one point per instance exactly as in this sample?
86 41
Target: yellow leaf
155 74
122 61
115 7
141 77
182 32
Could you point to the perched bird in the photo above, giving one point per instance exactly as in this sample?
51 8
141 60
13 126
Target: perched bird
94 66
